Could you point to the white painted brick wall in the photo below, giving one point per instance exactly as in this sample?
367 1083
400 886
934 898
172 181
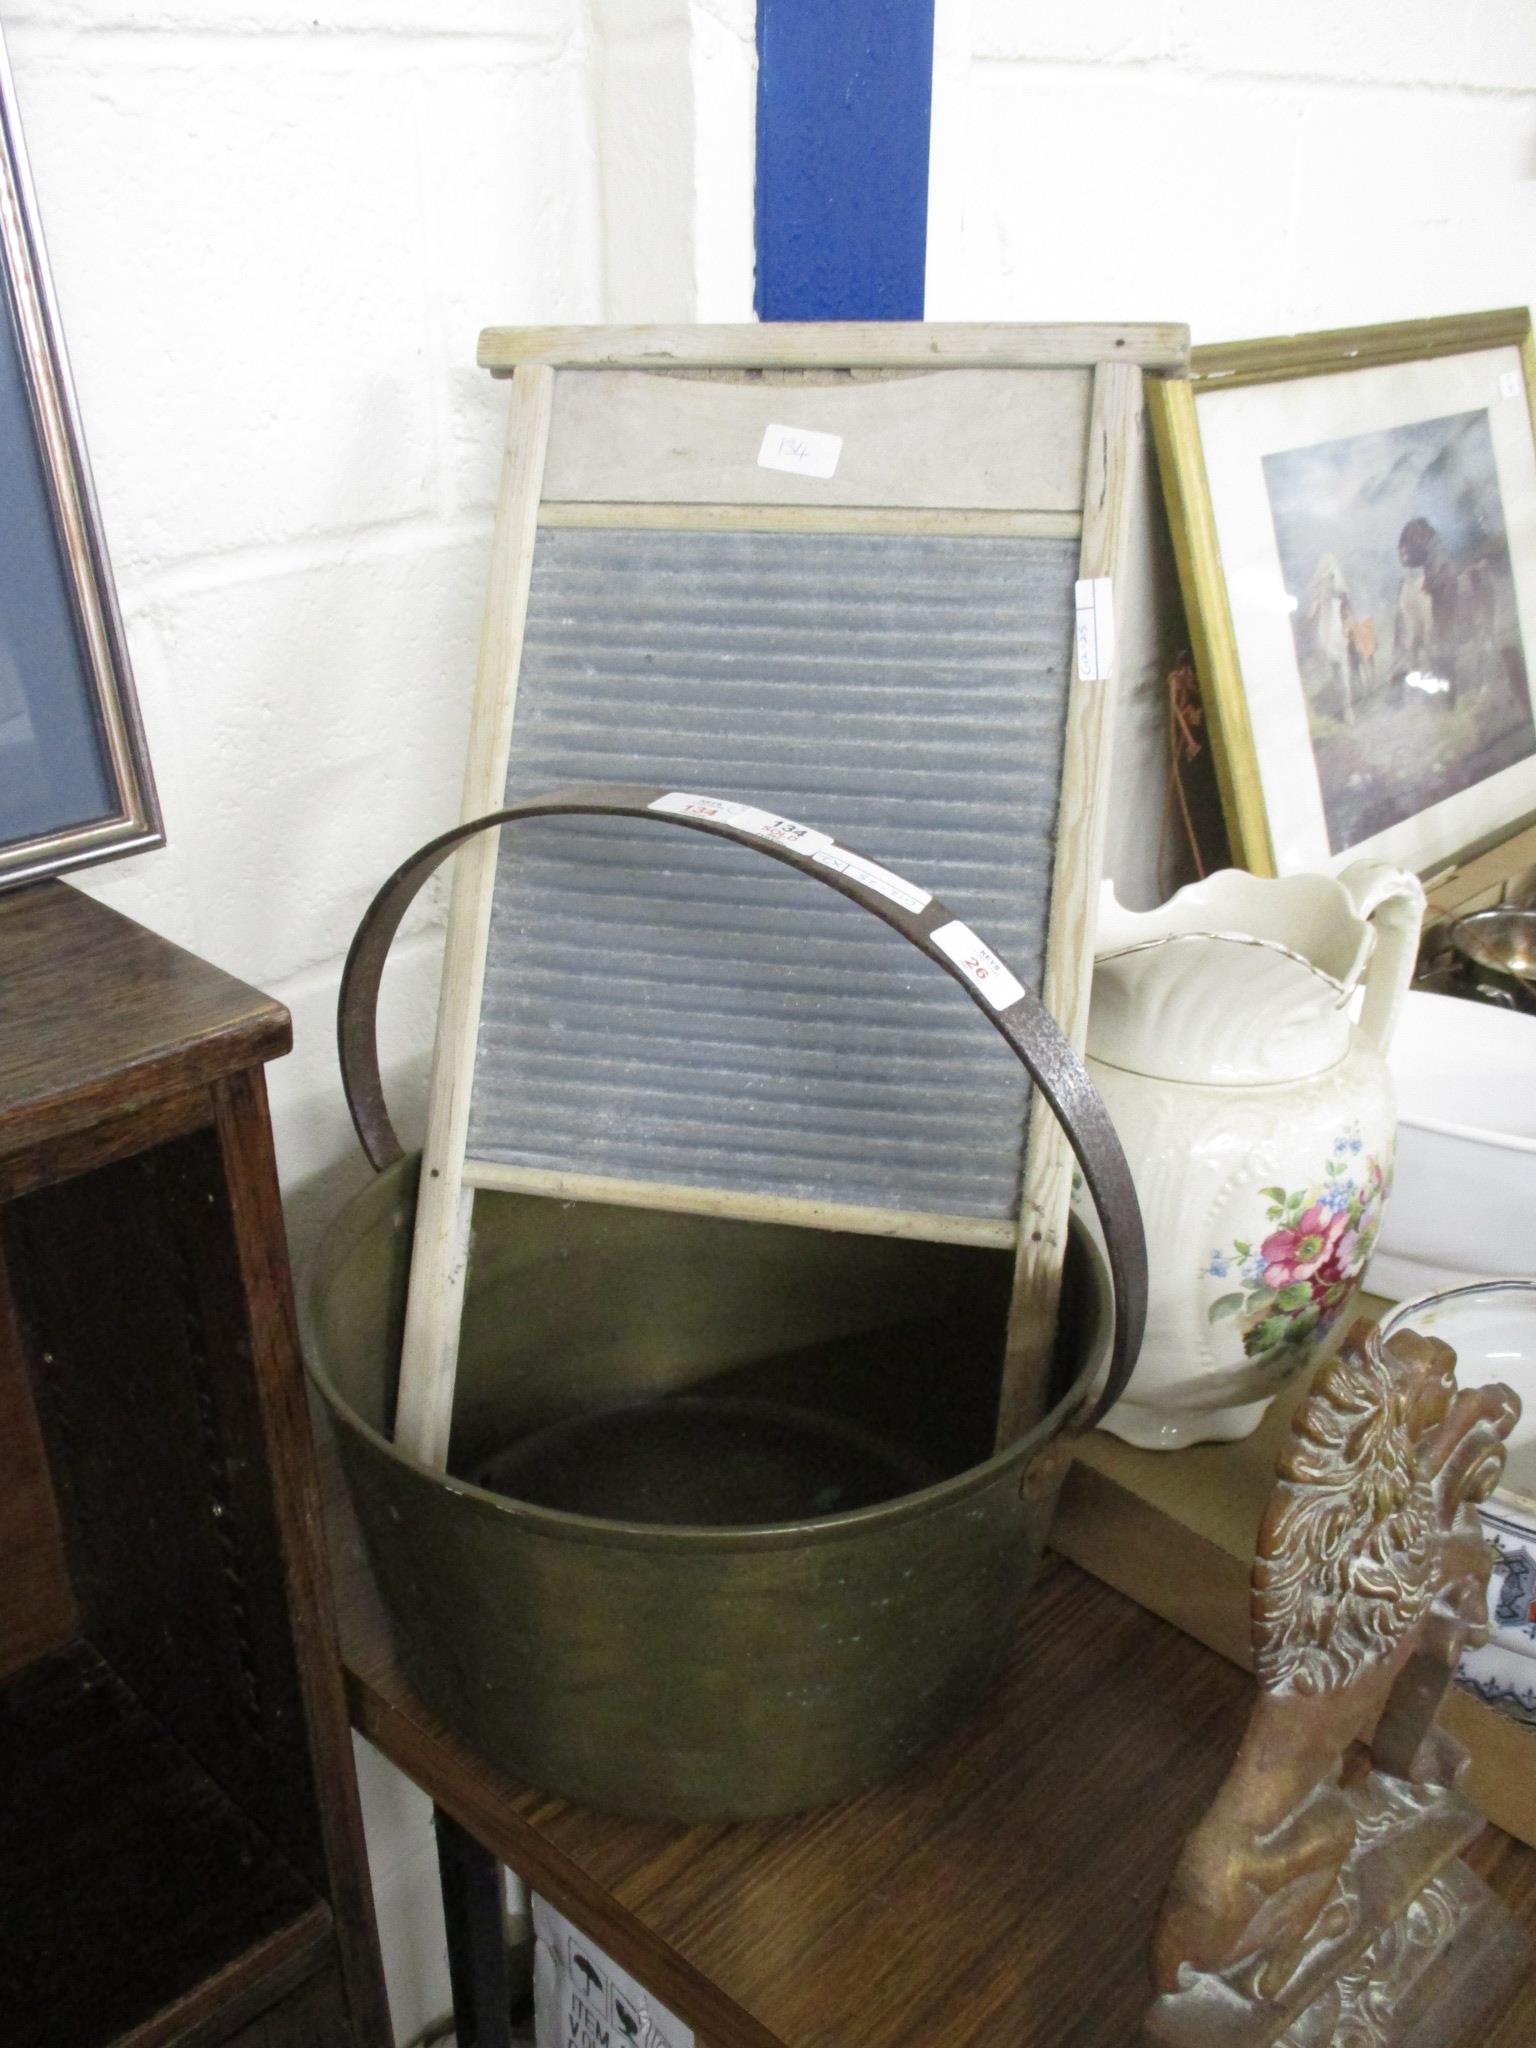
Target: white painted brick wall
1251 170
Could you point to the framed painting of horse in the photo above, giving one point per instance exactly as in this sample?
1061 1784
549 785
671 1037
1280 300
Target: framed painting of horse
1354 517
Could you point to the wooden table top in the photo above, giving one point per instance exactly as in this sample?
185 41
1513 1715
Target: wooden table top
1001 1890
98 1016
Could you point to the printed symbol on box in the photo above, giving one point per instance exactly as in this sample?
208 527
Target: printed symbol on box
628 2019
596 1981
1510 382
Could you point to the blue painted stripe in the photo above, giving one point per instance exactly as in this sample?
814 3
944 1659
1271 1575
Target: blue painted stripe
844 91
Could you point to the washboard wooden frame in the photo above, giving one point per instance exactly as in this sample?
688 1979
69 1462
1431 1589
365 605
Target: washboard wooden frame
655 396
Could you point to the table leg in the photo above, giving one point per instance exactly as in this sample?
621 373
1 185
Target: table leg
472 1881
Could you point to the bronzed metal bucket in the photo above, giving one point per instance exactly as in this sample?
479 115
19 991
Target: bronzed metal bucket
744 1545
692 1671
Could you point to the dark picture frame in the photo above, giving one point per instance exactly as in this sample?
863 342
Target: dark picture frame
75 779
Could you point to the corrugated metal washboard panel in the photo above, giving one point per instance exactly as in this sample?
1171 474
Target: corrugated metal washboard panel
664 1008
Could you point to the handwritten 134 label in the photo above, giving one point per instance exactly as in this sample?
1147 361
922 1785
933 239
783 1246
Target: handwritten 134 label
802 451
979 964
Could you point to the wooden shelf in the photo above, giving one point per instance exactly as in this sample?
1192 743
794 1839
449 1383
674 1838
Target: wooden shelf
181 1855
128 1877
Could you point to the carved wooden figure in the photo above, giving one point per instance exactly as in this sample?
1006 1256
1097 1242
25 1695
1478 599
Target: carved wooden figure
1321 1900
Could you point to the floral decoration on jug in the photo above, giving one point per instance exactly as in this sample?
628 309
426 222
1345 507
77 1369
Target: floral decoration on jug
1299 1278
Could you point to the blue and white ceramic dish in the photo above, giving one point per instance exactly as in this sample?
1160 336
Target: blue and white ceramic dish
1492 1330
1503 1672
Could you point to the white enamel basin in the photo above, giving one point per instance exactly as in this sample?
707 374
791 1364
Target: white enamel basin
1463 1202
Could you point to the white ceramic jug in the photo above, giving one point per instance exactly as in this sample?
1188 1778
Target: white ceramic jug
1258 1121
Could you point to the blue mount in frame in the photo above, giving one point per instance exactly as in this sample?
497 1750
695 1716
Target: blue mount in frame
844 91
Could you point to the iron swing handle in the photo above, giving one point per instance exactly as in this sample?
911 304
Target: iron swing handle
1024 1025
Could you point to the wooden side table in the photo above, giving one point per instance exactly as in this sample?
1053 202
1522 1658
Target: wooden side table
181 1856
1002 1889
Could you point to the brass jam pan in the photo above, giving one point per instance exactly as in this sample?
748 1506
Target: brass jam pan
1500 947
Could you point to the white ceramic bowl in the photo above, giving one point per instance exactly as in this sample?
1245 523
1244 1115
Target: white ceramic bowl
1463 1201
1492 1330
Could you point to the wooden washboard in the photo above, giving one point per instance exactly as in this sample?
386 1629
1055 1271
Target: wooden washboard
851 574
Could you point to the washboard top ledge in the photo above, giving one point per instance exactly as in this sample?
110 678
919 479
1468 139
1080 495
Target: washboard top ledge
884 344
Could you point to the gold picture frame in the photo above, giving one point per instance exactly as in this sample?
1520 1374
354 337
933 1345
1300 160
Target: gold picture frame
75 779
1328 448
